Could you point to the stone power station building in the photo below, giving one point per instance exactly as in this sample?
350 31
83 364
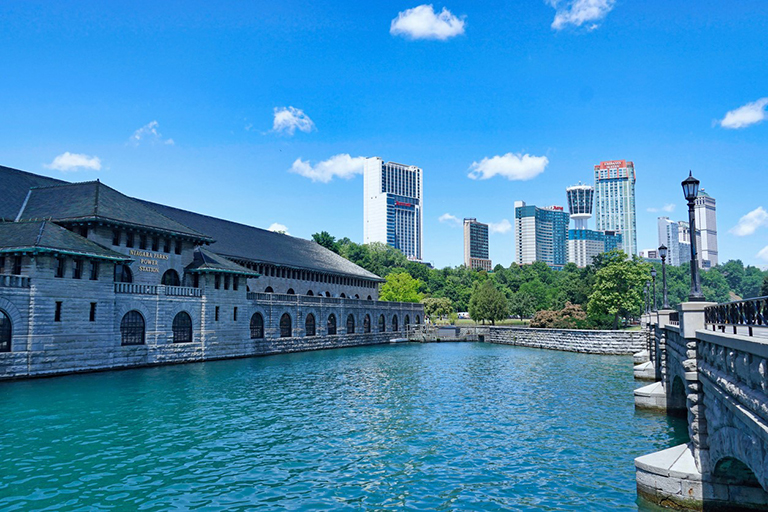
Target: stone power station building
93 279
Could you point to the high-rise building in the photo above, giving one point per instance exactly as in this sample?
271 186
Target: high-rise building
476 245
541 234
684 241
669 236
706 229
583 243
392 206
615 201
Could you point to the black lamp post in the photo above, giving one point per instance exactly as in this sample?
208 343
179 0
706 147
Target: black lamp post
691 192
653 276
663 254
647 293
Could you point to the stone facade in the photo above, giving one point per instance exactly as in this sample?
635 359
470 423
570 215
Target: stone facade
570 340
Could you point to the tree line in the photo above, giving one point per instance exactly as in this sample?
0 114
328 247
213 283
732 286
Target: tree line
600 295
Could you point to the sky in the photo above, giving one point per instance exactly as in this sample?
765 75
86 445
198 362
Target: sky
261 112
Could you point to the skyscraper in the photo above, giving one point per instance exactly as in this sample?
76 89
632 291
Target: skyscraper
392 206
583 243
615 201
476 245
669 236
541 234
706 229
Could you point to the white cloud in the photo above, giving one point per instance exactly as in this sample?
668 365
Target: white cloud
341 166
749 223
500 227
423 22
67 162
450 219
149 133
278 228
751 113
288 120
514 167
669 208
763 254
580 12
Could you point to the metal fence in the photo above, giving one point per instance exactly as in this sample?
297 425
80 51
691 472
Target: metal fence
749 313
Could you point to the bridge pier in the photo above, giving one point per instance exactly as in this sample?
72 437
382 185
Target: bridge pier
720 381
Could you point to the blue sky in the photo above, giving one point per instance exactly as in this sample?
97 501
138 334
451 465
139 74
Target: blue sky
176 103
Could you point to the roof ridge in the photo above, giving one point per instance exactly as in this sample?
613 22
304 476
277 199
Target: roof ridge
64 184
96 200
40 233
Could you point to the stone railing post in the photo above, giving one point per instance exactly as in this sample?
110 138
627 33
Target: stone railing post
692 320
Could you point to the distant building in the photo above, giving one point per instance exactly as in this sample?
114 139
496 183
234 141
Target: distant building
615 201
541 234
583 243
392 206
669 236
476 245
706 230
650 254
684 241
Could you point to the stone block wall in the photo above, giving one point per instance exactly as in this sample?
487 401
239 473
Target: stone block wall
569 340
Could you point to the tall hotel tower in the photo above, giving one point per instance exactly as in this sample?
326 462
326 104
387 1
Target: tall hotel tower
476 245
583 243
615 201
541 234
392 206
706 229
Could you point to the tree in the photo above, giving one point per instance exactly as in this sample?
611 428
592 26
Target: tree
522 305
326 240
437 307
764 291
618 287
571 316
487 303
539 292
400 287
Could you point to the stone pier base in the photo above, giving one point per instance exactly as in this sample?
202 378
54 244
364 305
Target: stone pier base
652 396
670 479
641 357
645 371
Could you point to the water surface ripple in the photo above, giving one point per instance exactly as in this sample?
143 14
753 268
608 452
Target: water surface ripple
430 427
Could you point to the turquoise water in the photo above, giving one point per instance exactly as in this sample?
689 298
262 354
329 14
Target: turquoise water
431 427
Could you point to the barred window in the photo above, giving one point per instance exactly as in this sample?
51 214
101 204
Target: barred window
367 324
285 326
182 328
309 325
257 326
394 324
350 324
331 325
132 329
171 278
123 274
382 324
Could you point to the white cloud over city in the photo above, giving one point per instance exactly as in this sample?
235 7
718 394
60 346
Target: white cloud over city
338 166
289 119
504 226
149 133
667 208
423 22
750 222
580 12
70 162
449 219
763 254
514 167
278 228
746 115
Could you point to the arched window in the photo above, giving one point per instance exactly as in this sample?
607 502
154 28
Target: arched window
257 326
309 292
350 324
357 295
370 298
285 326
123 274
394 324
407 322
418 320
309 325
5 332
327 294
331 325
290 291
382 324
132 329
343 296
367 324
171 278
269 290
182 328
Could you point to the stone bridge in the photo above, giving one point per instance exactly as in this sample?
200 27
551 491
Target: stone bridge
709 363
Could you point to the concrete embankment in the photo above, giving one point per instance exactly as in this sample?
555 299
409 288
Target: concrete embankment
570 340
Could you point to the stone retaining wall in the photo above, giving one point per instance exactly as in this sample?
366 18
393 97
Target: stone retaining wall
569 340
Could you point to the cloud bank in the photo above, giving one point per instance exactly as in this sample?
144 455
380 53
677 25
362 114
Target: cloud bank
746 115
580 12
70 162
339 166
289 119
423 22
749 223
514 167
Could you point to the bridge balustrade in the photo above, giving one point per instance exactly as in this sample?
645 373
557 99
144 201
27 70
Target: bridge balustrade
749 313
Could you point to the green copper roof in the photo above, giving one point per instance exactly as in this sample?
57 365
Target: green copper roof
45 236
207 261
